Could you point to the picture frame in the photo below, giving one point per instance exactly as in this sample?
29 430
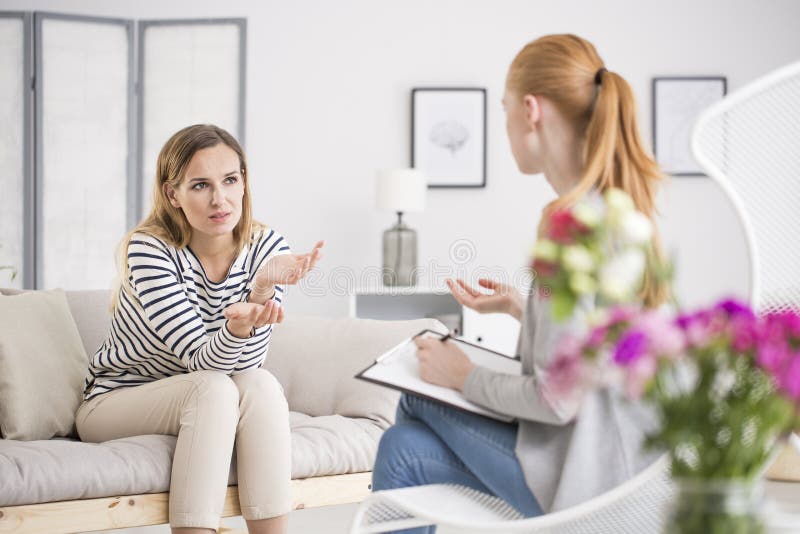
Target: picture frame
677 103
448 135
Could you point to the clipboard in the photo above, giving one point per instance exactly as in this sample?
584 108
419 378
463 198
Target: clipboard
398 369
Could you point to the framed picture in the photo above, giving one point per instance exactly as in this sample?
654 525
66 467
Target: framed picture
448 135
677 103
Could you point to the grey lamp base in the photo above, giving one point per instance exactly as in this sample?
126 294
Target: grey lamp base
400 256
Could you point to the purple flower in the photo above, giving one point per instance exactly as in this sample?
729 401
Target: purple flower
684 320
630 348
734 308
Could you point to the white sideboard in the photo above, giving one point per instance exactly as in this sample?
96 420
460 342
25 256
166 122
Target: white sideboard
496 331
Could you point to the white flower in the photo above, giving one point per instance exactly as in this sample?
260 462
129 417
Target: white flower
546 250
618 201
635 228
582 283
621 277
578 259
587 214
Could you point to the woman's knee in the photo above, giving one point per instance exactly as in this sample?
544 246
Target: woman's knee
213 387
259 384
413 407
398 449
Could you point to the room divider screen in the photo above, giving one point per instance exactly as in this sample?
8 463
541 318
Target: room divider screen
86 104
190 72
84 111
15 147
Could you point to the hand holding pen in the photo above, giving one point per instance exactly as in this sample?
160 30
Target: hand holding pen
442 363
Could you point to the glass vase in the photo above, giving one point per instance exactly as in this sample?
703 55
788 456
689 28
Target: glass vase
716 507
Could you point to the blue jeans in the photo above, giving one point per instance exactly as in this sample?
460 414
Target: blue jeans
433 444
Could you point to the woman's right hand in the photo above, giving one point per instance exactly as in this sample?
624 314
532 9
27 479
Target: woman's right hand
503 299
244 316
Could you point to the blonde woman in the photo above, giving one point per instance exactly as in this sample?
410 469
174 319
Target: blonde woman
572 119
202 285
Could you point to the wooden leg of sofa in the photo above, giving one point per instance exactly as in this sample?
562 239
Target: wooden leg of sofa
225 530
786 466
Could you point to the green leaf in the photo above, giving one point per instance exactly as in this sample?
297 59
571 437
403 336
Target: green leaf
562 304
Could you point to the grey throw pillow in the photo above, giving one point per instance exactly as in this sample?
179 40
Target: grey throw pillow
42 366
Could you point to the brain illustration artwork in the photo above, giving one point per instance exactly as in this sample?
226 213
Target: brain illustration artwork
450 135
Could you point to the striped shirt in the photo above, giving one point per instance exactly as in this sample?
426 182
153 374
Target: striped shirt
171 321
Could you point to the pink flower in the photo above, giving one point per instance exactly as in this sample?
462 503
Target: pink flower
773 358
665 339
545 269
790 380
564 228
597 337
744 334
566 372
619 314
639 375
702 328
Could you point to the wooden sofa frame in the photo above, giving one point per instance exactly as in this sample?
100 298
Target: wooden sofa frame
85 515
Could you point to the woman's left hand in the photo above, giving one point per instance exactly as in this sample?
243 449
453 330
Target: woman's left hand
288 269
442 364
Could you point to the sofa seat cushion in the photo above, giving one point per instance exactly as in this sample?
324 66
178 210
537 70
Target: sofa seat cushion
332 444
34 472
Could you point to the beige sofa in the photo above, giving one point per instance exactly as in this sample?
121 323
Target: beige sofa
63 485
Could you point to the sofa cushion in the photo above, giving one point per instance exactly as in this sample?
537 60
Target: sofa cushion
316 358
91 310
62 469
332 444
42 366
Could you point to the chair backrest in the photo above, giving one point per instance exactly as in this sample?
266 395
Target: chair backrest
750 144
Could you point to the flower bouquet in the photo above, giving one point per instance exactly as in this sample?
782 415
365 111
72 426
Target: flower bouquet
600 245
724 382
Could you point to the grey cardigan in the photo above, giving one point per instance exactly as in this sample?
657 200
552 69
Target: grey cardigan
569 453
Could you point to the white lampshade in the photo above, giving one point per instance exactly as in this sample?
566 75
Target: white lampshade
400 190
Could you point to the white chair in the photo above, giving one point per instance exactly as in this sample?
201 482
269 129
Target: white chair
635 507
749 143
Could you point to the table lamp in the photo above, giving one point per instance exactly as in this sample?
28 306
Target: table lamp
400 191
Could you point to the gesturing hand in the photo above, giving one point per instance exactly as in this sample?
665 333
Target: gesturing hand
287 269
503 299
442 364
243 316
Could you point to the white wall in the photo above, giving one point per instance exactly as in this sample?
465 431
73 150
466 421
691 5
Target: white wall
328 86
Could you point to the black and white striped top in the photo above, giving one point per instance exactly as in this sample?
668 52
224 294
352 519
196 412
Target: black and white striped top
173 323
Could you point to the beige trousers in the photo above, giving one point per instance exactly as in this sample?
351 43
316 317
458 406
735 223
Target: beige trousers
207 410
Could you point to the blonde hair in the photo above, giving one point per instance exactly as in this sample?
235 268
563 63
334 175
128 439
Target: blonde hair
567 70
169 223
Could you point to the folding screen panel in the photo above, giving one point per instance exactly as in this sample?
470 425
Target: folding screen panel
84 174
190 72
15 148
